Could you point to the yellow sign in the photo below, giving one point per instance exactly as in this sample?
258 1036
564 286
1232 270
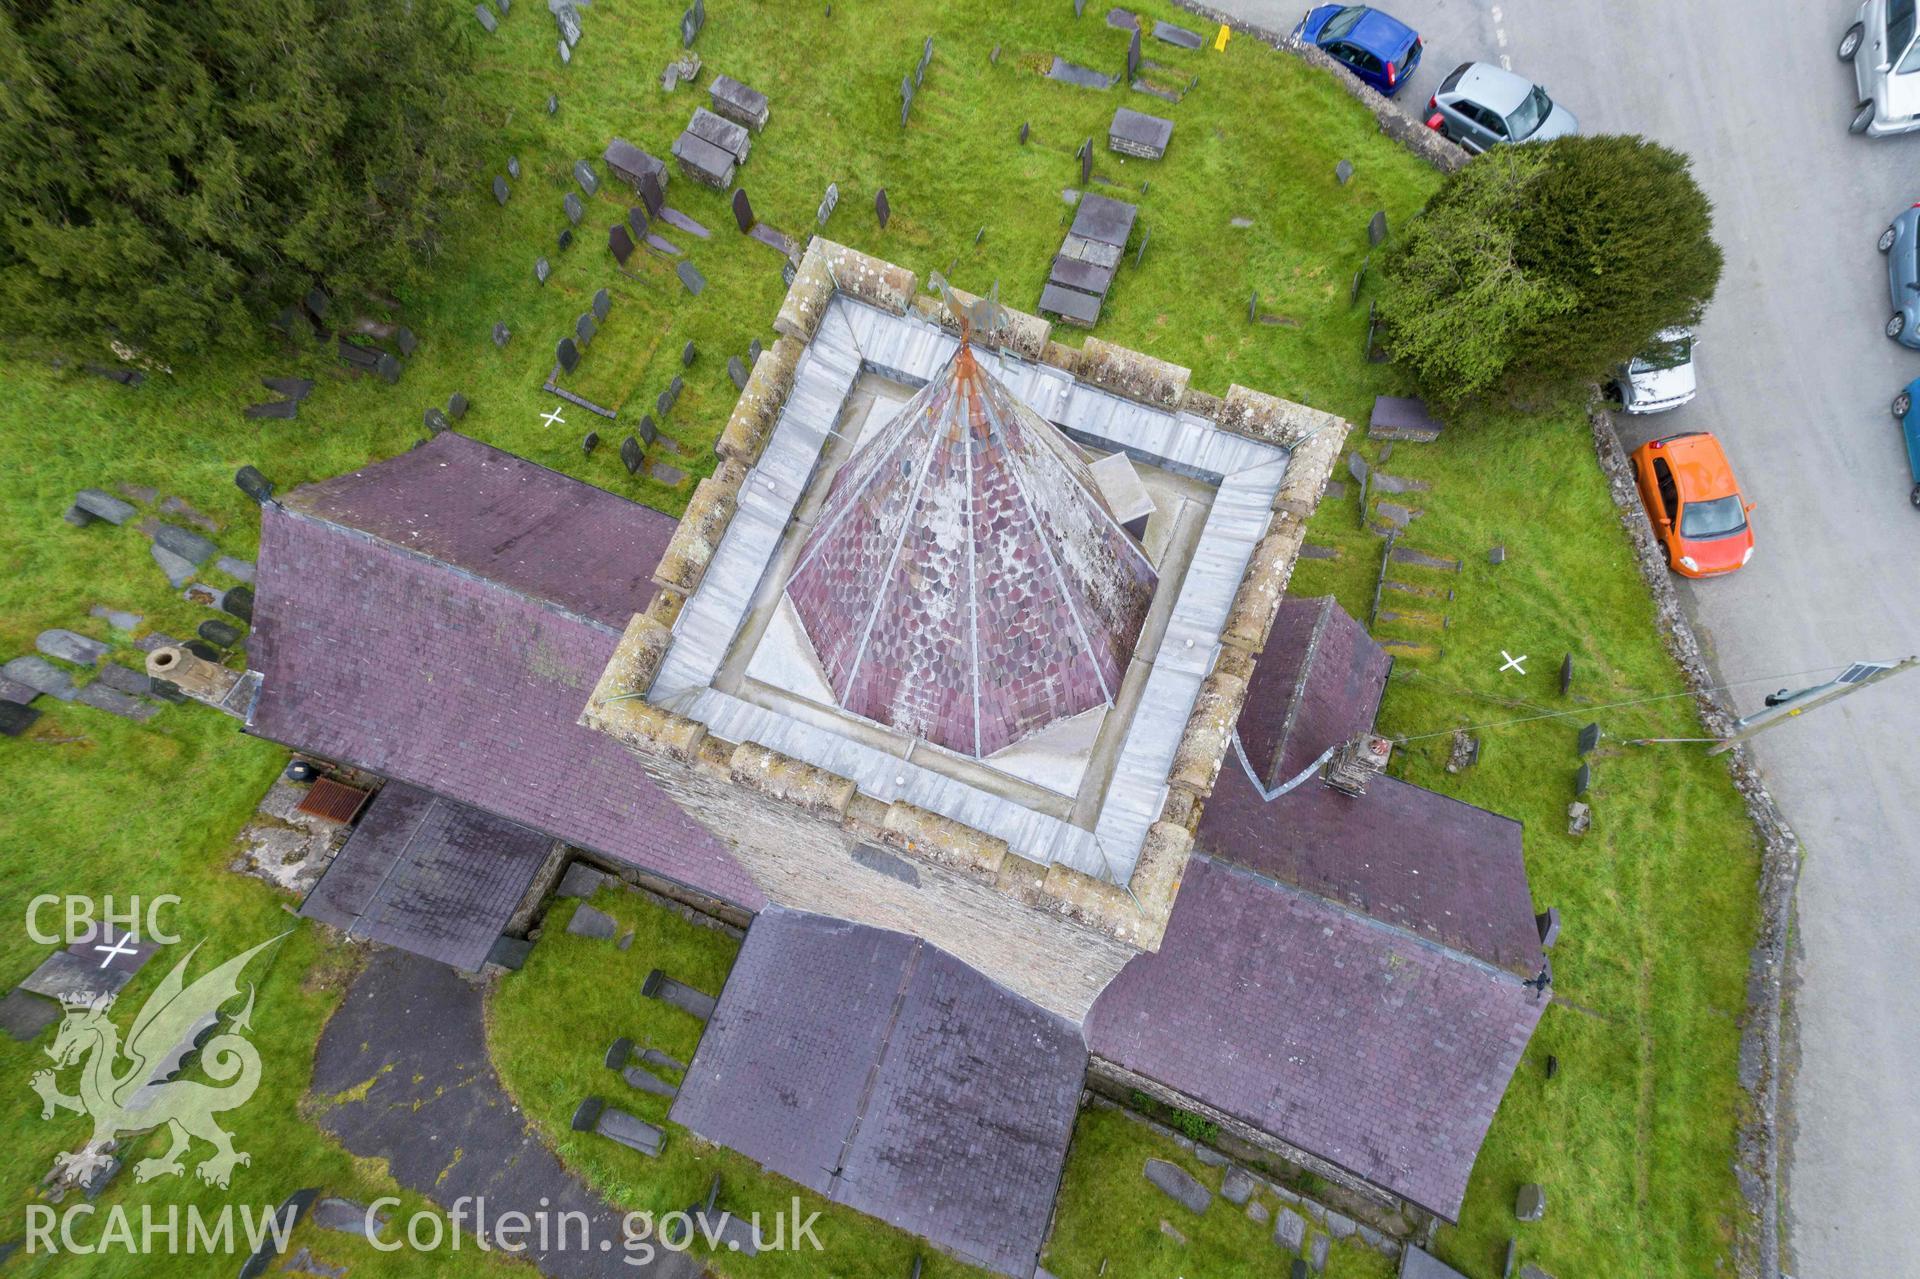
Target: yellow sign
1220 41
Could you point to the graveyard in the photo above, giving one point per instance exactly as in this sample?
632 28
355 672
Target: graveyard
601 318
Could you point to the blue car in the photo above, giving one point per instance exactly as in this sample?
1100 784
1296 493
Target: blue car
1377 47
1906 411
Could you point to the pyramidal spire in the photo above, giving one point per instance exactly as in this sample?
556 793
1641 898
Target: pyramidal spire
965 582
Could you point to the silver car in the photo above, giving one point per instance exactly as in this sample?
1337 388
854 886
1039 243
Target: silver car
1885 54
1480 106
1660 377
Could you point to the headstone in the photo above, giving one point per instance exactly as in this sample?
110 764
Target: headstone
691 22
567 18
190 546
69 646
436 421
1553 1066
1133 55
218 633
827 203
293 388
1086 161
881 209
15 693
574 209
513 167
1025 128
620 243
737 371
553 103
23 1016
742 210
662 404
255 485
674 388
993 59
1179 1184
787 271
1498 555
388 368
501 333
695 1003
499 188
1547 923
584 329
631 455
1141 255
566 51
671 476
1566 674
602 304
1377 229
690 276
1589 738
1530 1204
203 650
16 719
238 602
40 675
317 302
651 193
484 16
456 406
179 571
242 569
1253 306
1582 778
272 410
567 354
687 354
406 340
1343 172
103 505
1579 818
80 519
1236 1185
541 270
583 174
753 352
1138 134
647 431
589 442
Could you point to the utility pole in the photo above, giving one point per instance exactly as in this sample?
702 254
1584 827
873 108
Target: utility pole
1784 705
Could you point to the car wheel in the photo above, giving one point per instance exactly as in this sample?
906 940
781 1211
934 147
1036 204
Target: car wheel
1914 496
1850 42
1861 118
1896 324
1887 237
1901 403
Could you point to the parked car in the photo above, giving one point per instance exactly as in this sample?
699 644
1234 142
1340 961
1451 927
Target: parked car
1694 503
1901 243
1883 45
1480 105
1904 412
1376 46
1660 377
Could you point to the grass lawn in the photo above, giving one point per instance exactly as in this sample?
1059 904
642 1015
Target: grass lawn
1633 1140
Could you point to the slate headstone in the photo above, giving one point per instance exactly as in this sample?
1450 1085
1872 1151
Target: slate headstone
1377 229
647 431
16 719
501 333
103 505
574 209
1236 1185
584 329
1588 740
662 403
541 270
239 603
589 442
1024 129
499 188
677 385
436 421
742 210
602 304
1582 779
179 571
553 103
567 354
881 209
23 1016
251 482
387 367
1086 161
637 223
456 406
119 619
567 19
1343 172
583 174
566 50
272 410
690 276
1530 1204
1498 555
484 16
407 340
686 355
1179 1184
737 371
631 455
620 243
651 193
691 22
672 476
218 633
828 203
513 167
1133 54
1141 255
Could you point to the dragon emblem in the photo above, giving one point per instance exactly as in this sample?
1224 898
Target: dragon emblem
125 1088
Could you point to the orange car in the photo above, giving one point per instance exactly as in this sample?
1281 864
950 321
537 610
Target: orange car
1694 503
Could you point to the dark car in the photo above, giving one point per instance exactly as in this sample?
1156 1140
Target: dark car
1376 46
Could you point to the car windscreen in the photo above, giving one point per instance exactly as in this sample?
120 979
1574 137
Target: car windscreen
1900 24
1348 18
1663 355
1722 517
1528 115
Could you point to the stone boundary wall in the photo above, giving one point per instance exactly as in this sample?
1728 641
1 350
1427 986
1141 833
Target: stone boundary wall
1135 913
1757 1249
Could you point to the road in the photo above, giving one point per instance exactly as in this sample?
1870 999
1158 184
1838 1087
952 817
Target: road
1796 377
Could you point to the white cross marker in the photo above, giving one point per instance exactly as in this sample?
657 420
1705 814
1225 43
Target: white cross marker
554 417
1513 663
116 947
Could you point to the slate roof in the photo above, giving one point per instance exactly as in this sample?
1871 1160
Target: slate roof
885 1074
428 875
1363 1045
965 582
441 617
1407 856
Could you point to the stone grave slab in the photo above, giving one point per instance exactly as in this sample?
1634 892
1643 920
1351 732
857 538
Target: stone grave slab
772 237
1105 220
588 922
347 1217
41 675
65 975
729 136
70 646
1343 172
1178 1184
274 410
695 1003
647 432
23 1015
14 693
1138 134
583 174
1237 1185
681 222
104 698
1080 77
223 634
589 442
16 718
185 543
667 473
1179 37
125 679
388 368
635 1134
567 19
738 103
644 1080
1133 55
105 506
1080 249
238 602
1289 1229
704 162
1122 20
1397 417
660 244
687 353
690 276
1088 277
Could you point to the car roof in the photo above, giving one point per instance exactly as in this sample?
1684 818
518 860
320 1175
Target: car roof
1494 87
1700 466
1380 33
